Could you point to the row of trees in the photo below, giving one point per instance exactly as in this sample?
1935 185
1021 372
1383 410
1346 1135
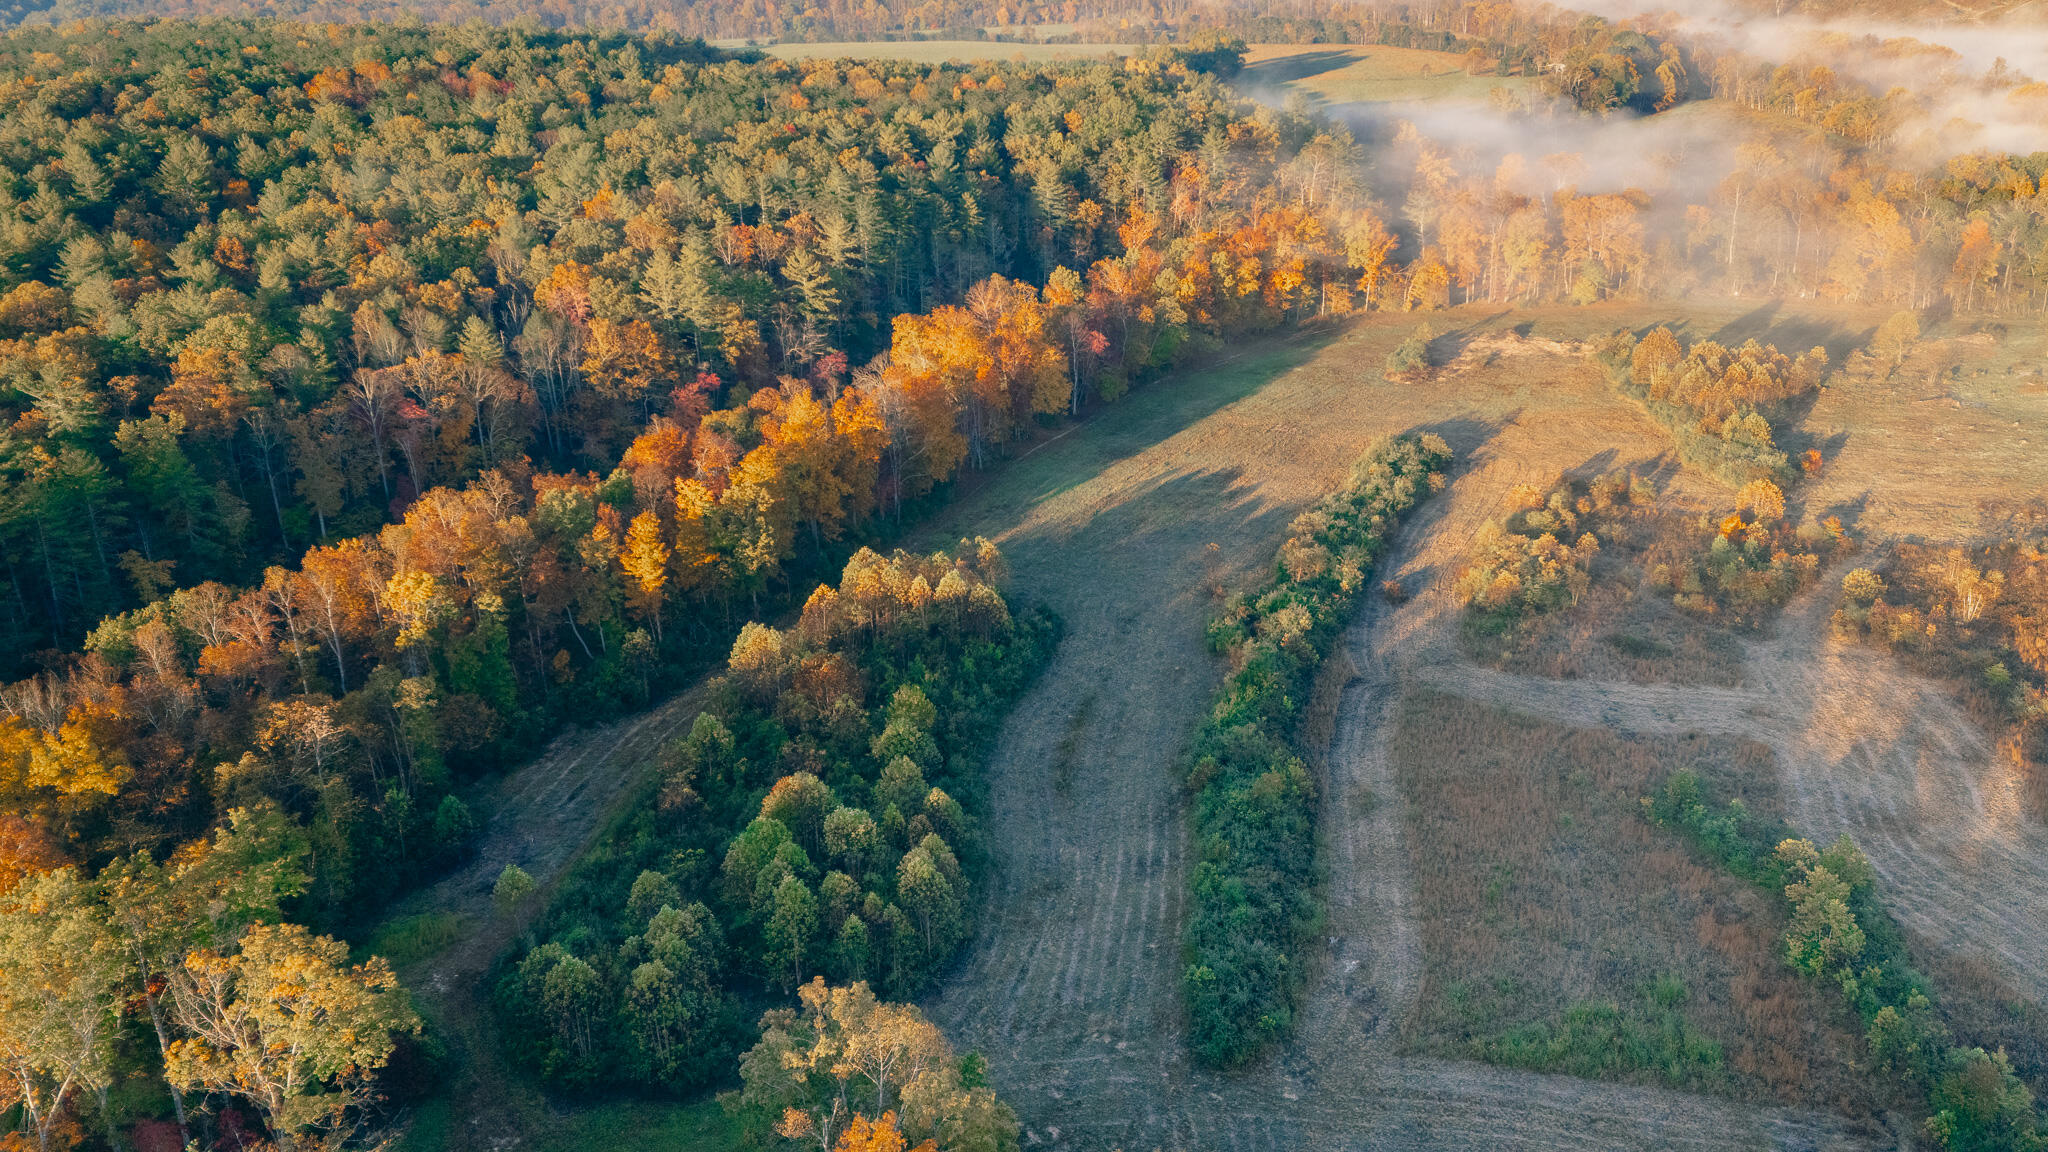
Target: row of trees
1839 933
1253 902
811 822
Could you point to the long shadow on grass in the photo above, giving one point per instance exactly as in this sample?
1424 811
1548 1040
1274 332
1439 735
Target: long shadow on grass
1152 413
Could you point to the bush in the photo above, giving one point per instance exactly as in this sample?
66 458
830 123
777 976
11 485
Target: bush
1411 358
1253 908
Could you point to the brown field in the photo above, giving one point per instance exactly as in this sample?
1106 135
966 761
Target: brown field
1545 890
1368 73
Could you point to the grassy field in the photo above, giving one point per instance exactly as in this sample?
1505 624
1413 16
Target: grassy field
940 51
1334 73
1563 932
1366 74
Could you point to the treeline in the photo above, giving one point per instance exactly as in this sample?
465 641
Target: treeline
816 820
1840 934
1253 905
1854 227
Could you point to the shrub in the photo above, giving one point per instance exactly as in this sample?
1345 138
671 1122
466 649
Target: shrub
1253 907
1840 933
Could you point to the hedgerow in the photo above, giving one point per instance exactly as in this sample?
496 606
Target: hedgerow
1254 902
1840 933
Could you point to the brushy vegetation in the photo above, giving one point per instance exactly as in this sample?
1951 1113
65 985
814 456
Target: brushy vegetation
1840 934
1539 558
1753 560
1254 905
815 820
1978 616
1410 358
1719 403
1561 933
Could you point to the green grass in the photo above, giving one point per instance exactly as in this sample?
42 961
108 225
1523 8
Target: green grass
411 939
700 1126
1367 74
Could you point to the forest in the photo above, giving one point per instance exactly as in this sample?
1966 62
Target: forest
385 401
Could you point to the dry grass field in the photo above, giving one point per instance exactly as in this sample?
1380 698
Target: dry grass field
940 51
1367 74
1072 988
1563 930
1132 524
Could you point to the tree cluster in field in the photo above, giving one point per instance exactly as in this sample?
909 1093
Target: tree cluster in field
1751 562
1538 559
815 820
1840 934
1252 908
1978 615
182 973
1719 403
849 1073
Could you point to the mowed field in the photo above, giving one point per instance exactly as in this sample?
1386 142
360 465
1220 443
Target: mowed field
1131 524
1367 74
1331 73
938 51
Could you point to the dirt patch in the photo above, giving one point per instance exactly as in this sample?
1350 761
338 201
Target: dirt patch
1564 931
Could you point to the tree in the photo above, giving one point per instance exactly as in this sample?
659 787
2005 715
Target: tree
60 998
645 561
790 931
845 1055
204 898
1895 338
509 894
285 1024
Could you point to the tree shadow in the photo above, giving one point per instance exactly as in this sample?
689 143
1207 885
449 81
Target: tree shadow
984 502
1792 335
1450 345
1286 69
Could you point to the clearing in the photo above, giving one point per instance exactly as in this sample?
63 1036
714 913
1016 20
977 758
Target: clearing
1367 74
1129 528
